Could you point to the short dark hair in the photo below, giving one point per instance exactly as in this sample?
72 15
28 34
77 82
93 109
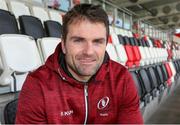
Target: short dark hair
93 13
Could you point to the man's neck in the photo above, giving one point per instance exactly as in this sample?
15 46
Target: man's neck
78 77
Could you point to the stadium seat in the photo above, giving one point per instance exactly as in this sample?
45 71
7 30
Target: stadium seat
19 8
154 81
31 26
142 53
111 50
3 5
53 28
169 72
147 85
119 49
40 13
164 72
56 16
19 56
129 52
134 44
8 23
10 112
47 46
140 88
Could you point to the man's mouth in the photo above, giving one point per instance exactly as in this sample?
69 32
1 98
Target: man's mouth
87 61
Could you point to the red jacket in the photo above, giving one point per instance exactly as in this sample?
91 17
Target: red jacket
49 95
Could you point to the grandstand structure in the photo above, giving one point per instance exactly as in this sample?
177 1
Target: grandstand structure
31 29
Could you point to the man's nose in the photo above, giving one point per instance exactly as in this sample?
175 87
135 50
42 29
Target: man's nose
88 49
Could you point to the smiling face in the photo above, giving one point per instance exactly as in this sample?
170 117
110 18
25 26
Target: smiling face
84 48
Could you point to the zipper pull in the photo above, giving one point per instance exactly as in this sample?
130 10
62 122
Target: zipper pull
86 90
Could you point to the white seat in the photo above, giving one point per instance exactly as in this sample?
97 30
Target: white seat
130 34
38 1
19 56
117 31
112 52
19 8
173 71
111 30
55 15
3 5
143 56
47 46
121 52
174 54
126 33
121 31
148 56
40 13
158 54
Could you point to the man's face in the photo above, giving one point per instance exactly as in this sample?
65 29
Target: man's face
84 48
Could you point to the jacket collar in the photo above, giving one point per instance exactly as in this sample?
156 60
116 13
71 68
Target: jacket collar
56 63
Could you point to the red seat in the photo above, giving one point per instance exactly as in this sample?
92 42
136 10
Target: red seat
137 55
169 71
129 52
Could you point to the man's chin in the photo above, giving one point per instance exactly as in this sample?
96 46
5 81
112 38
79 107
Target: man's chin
87 73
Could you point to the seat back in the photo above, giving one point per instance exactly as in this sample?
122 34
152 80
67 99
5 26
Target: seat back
3 5
10 112
53 28
8 23
19 56
164 71
145 80
47 46
153 77
138 84
112 52
56 16
40 13
121 53
31 26
160 75
19 8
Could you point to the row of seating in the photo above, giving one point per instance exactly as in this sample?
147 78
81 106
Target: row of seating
24 8
24 51
133 52
154 83
20 54
29 25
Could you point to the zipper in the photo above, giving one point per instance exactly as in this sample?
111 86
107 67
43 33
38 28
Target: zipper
61 75
86 102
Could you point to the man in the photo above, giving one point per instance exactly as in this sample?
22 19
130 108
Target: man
79 83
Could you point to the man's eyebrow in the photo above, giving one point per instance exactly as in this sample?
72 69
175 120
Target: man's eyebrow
82 38
76 37
99 39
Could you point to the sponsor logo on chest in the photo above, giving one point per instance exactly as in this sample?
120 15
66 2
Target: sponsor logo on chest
102 106
66 113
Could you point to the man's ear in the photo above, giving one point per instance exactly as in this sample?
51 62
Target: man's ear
63 46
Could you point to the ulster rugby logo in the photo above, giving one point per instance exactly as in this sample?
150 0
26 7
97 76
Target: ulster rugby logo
103 103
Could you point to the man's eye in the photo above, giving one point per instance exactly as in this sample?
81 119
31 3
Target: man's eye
77 40
98 41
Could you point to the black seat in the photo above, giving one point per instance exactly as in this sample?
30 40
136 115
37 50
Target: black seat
8 24
121 40
164 71
159 75
138 84
153 81
147 85
126 40
31 26
53 28
10 112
